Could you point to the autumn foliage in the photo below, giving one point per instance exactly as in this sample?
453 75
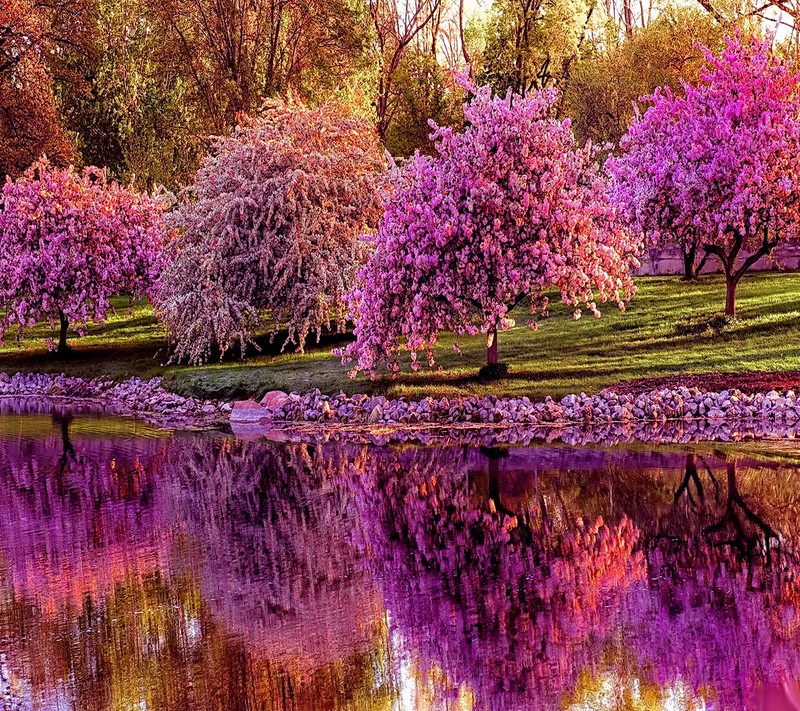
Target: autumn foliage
505 210
29 120
270 231
69 241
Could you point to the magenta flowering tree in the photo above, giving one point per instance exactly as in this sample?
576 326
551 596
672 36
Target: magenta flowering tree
505 210
69 242
719 164
271 231
651 178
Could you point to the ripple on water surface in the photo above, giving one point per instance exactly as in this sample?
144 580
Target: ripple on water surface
148 569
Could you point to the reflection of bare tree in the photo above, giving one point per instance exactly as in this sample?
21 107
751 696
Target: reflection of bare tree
739 526
691 476
736 507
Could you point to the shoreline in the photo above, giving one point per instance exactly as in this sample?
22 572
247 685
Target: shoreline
671 432
134 397
604 408
678 414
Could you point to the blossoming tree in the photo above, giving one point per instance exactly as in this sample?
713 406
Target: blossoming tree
69 242
272 230
736 184
505 210
650 180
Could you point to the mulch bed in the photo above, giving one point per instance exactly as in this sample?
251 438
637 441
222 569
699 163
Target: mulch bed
748 382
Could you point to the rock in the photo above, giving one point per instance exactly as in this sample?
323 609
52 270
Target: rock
247 411
274 399
372 403
375 415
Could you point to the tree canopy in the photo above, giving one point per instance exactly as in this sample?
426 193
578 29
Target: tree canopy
270 231
69 241
504 210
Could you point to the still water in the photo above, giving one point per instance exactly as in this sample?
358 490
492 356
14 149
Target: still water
143 569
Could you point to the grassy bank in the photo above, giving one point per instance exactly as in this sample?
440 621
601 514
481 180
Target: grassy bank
670 328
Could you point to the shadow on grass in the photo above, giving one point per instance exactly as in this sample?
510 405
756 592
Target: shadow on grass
269 346
145 358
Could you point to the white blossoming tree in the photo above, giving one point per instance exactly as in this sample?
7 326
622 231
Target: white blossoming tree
270 231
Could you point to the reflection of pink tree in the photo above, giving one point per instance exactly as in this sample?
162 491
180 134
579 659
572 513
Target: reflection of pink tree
517 606
141 551
287 561
467 594
72 516
703 620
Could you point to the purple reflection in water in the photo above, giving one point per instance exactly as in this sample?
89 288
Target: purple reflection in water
146 569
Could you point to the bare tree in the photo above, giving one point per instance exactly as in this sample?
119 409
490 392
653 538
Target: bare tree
630 15
399 24
239 52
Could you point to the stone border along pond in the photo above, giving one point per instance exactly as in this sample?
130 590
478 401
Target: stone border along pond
145 399
674 414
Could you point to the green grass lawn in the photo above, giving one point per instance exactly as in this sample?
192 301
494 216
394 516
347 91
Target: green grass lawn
669 328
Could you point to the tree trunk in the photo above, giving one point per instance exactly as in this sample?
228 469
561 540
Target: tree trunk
491 349
63 348
700 265
689 272
730 296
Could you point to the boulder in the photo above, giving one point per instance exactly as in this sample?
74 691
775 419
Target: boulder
247 411
273 399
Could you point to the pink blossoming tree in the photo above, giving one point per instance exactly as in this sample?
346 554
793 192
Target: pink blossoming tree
650 181
505 210
271 230
69 242
719 163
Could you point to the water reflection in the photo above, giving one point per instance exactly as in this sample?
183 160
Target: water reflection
140 569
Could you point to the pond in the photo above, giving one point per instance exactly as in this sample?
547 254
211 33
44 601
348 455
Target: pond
147 569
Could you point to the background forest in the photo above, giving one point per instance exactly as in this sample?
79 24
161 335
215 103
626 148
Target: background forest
139 86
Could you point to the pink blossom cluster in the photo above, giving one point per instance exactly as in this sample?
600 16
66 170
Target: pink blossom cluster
654 176
270 231
506 209
718 164
69 242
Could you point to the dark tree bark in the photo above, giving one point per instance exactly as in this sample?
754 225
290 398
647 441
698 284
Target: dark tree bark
689 255
491 350
63 347
734 272
730 297
691 267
